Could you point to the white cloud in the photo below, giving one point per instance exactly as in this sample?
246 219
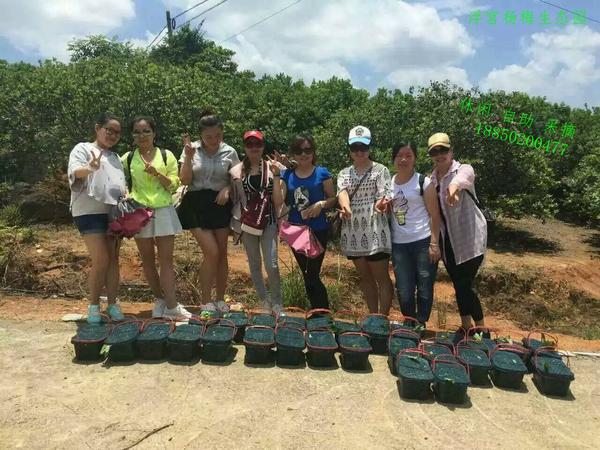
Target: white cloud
564 66
317 39
45 27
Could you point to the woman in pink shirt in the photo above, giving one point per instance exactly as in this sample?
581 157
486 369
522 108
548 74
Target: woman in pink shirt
463 230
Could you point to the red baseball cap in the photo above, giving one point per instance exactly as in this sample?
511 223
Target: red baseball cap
255 134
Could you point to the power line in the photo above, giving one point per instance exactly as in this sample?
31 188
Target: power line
262 20
189 9
155 38
572 12
203 12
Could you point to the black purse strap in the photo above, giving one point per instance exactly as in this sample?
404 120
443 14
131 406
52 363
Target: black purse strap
479 205
350 196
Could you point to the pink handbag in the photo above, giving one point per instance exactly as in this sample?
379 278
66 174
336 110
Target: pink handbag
128 217
301 239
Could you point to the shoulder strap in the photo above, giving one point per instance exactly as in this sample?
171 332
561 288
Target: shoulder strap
128 177
360 182
421 183
163 153
473 198
265 175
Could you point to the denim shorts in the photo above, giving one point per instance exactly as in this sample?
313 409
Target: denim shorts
92 223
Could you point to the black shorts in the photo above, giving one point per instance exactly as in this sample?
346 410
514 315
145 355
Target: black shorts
374 257
92 223
199 210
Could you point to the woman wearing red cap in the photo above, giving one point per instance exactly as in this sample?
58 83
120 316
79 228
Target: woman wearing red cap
205 209
463 228
257 199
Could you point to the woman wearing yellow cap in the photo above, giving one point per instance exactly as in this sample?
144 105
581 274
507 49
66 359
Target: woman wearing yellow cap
463 230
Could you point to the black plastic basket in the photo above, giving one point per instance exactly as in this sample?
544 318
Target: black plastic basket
262 318
216 340
508 367
551 375
319 319
240 320
485 344
414 374
290 342
321 346
122 340
478 362
400 339
345 321
292 316
450 379
152 341
259 341
377 326
549 341
355 349
203 317
184 342
88 341
431 350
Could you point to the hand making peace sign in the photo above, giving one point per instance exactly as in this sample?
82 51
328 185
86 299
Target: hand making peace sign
187 146
94 164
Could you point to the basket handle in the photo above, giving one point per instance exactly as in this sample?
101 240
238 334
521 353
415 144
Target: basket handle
139 323
291 326
146 323
508 347
546 335
455 361
552 349
411 350
263 344
256 311
354 333
401 332
294 309
220 321
412 319
312 312
435 345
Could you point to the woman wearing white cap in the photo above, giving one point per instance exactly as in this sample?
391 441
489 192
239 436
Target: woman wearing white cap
257 193
365 236
463 229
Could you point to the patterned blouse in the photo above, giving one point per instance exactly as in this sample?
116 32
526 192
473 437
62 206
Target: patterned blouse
367 232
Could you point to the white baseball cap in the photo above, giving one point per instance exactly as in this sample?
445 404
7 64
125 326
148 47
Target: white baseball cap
359 134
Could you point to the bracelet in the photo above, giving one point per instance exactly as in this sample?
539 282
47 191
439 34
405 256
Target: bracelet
433 245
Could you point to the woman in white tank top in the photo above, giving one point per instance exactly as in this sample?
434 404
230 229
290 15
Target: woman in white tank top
415 222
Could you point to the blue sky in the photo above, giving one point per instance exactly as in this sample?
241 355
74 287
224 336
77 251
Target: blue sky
375 43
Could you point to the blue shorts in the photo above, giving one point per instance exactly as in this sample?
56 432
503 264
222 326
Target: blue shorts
92 223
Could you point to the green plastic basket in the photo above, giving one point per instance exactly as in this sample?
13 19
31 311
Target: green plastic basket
184 342
292 316
319 319
355 348
290 342
549 341
446 338
551 375
431 350
414 374
398 340
122 339
508 367
478 362
259 341
321 346
345 321
216 340
152 341
450 379
262 318
240 319
88 341
377 326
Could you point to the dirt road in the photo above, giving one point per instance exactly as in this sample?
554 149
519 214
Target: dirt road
49 401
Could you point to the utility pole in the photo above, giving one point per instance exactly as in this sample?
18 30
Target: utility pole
169 27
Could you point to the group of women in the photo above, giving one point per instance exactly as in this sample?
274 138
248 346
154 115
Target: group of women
414 219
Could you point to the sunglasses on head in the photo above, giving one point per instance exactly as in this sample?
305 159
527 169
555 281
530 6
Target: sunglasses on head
435 151
359 148
306 151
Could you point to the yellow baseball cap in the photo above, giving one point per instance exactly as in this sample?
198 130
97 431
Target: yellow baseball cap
438 139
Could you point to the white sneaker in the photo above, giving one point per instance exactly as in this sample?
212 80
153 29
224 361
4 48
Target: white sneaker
159 307
222 306
177 313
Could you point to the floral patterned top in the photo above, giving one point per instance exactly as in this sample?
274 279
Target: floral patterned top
368 231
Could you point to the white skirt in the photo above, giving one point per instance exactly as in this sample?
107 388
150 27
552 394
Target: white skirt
164 223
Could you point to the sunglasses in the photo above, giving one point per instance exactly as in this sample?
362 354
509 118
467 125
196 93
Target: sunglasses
141 133
359 148
436 151
306 151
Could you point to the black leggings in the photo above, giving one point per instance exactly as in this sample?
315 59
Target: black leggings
311 271
463 276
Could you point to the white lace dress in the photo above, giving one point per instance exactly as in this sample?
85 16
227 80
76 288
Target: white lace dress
368 231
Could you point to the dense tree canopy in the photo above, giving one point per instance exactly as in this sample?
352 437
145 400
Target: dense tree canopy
46 109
